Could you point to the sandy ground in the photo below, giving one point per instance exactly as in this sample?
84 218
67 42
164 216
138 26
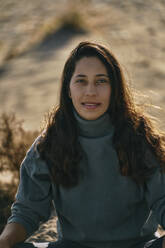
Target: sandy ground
134 30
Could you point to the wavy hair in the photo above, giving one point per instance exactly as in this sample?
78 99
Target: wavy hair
139 145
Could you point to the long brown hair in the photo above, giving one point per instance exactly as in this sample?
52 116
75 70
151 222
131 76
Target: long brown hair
139 146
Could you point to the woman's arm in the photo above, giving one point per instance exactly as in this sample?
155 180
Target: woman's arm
12 234
33 200
155 195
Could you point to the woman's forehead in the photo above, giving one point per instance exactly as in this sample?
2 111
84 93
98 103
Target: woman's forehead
90 64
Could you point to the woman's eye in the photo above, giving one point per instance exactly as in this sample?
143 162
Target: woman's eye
102 81
80 81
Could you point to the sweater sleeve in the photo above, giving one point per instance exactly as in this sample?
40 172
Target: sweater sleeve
33 199
155 192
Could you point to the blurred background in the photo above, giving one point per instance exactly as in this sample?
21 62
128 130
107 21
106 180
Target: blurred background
36 38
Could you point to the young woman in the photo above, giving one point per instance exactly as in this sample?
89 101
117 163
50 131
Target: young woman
100 160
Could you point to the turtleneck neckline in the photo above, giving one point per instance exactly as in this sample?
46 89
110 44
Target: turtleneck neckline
94 128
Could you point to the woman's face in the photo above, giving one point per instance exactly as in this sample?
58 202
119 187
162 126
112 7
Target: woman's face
90 88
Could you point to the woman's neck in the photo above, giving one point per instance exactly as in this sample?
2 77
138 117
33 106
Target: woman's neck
94 128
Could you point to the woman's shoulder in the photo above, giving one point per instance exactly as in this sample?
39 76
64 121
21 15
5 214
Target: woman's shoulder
33 151
33 162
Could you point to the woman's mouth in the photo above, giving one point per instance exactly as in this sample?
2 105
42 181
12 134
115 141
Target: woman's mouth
90 105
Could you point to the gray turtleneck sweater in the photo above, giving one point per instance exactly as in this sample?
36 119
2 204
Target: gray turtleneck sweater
106 209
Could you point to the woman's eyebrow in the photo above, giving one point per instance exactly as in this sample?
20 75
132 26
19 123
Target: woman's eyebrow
80 75
97 75
102 75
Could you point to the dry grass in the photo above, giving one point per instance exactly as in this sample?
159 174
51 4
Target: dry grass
13 146
6 199
72 17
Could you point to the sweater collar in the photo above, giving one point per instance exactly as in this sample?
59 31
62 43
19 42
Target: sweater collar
94 128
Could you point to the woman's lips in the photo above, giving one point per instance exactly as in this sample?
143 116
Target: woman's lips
90 105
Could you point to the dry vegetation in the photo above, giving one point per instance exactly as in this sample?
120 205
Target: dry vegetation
72 16
14 143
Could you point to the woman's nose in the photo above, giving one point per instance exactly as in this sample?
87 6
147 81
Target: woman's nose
91 90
